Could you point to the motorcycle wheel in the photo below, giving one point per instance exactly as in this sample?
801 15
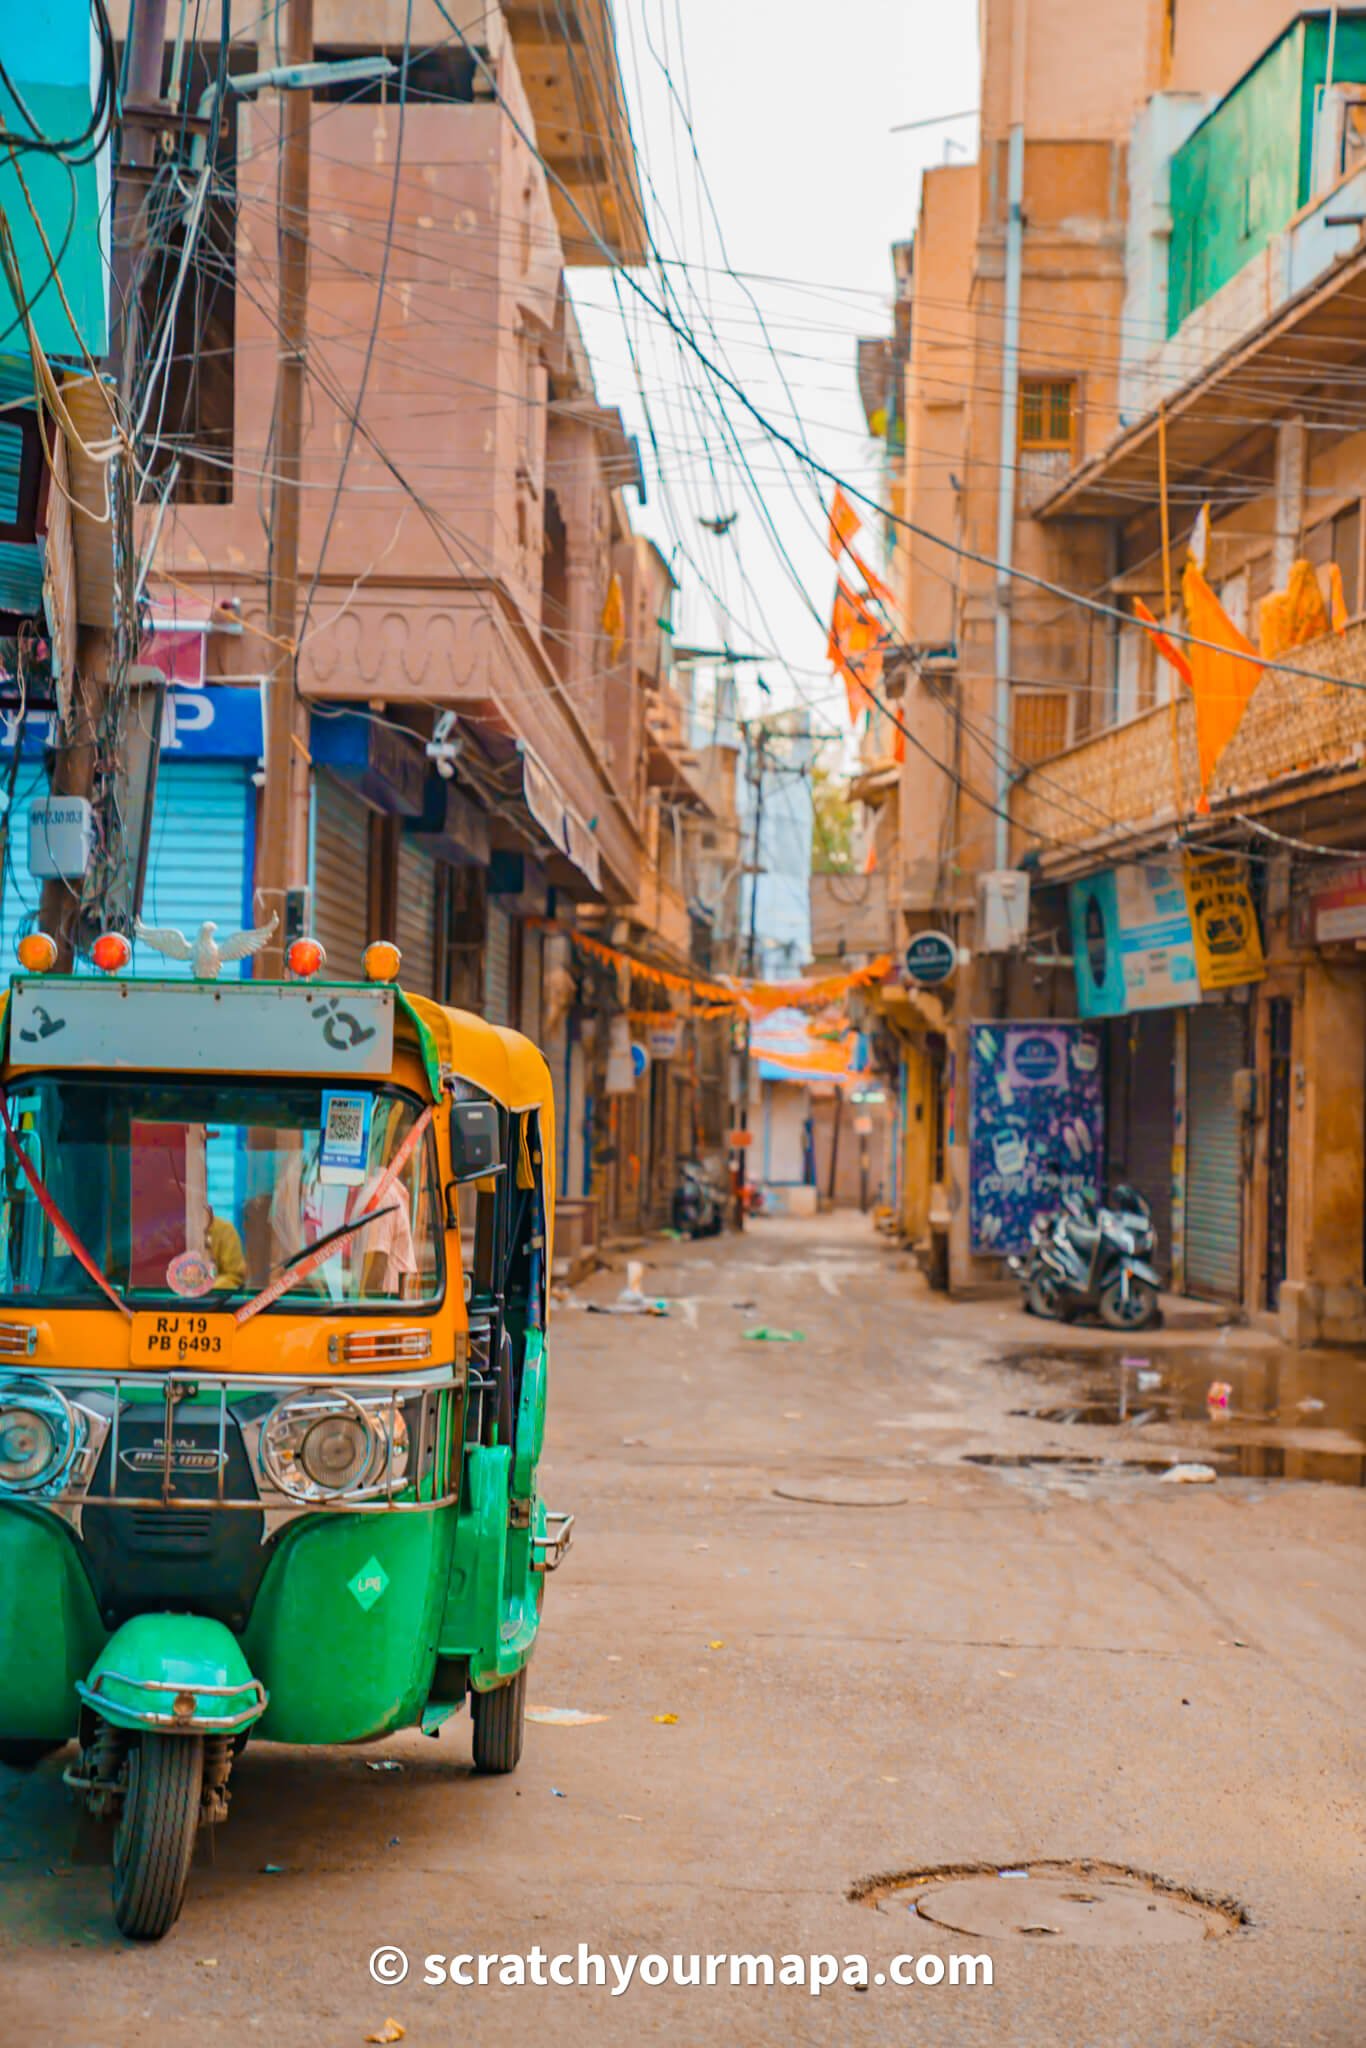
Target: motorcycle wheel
499 1724
1044 1296
154 1840
1139 1312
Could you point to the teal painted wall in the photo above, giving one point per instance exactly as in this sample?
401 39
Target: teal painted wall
1244 173
45 46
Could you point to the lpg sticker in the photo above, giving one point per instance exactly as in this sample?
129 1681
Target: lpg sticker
368 1584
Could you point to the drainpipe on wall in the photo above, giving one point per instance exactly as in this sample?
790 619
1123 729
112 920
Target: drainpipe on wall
1010 413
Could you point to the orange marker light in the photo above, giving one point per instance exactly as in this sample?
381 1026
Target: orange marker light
37 952
305 957
110 952
381 961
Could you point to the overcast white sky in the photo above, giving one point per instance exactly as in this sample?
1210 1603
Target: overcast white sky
791 105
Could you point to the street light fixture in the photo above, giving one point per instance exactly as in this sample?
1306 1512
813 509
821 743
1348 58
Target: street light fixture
290 78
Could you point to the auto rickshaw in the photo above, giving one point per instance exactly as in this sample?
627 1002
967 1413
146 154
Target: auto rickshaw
274 1264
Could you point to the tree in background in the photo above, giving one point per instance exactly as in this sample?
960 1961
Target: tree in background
832 842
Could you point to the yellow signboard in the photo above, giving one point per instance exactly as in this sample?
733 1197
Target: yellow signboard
1228 943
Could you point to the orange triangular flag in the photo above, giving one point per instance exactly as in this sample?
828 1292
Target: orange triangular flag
1336 598
1164 646
844 523
1223 676
870 858
877 588
614 616
898 741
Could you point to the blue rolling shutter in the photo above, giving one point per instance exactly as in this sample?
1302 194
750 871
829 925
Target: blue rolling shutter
22 893
197 862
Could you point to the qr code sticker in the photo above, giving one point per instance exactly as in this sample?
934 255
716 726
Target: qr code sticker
346 1122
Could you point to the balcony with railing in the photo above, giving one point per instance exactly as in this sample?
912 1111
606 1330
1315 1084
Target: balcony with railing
1106 797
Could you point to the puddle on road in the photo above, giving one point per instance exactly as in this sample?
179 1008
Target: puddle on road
1273 1414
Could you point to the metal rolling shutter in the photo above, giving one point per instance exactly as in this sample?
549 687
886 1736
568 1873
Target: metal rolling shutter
498 967
341 880
532 942
197 858
417 918
1214 1168
1150 1129
22 893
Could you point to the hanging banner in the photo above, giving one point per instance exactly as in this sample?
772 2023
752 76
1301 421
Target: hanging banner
1228 943
1132 940
1036 1126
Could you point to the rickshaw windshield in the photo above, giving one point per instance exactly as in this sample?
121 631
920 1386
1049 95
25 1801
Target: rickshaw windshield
209 1189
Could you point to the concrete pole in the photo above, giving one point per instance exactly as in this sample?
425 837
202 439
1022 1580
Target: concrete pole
282 860
1010 414
73 772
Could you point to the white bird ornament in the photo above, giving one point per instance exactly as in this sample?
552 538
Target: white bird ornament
207 954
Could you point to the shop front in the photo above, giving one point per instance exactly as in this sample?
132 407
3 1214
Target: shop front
201 843
1168 953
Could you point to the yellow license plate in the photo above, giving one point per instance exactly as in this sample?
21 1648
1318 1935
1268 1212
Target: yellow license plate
182 1338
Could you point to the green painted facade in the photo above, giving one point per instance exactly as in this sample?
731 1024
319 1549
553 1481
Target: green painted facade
1243 174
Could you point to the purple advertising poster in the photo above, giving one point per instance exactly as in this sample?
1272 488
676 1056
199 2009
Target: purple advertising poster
1037 1126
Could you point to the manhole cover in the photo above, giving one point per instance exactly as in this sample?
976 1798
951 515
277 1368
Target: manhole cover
843 1493
1098 1904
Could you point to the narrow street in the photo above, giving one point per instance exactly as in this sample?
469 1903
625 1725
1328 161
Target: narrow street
882 1659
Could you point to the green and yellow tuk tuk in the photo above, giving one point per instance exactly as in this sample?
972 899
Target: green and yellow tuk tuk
274 1264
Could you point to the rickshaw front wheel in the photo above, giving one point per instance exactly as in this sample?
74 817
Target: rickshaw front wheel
499 1724
154 1840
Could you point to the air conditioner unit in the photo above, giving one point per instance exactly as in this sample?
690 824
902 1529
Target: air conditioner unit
1002 911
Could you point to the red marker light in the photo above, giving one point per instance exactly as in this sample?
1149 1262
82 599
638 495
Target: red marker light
305 958
110 952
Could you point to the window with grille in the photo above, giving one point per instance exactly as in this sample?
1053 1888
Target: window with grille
1039 725
1047 411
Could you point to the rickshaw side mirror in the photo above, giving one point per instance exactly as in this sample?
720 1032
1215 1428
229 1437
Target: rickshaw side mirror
475 1148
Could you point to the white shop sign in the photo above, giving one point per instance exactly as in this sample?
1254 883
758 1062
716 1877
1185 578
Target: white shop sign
227 1027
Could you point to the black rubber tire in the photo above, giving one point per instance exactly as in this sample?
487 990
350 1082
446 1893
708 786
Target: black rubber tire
154 1840
1142 1312
25 1753
499 1726
1043 1297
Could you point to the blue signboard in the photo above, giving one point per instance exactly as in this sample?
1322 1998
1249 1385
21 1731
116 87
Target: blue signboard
1132 940
217 723
1036 1129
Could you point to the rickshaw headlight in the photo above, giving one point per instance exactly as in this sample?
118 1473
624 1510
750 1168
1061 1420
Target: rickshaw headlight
320 1445
335 1451
38 1435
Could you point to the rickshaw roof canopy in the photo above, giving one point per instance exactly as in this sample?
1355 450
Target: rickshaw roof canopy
501 1061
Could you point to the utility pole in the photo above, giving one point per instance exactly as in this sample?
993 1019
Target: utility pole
77 753
755 774
282 860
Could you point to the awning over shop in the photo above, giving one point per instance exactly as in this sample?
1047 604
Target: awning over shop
1292 358
787 1048
567 832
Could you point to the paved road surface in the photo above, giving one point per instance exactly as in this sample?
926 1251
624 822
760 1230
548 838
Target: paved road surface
1008 1666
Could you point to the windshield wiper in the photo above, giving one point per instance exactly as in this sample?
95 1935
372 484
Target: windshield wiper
307 1261
341 1230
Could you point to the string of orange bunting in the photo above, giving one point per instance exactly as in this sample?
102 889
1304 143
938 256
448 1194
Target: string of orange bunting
723 998
1223 677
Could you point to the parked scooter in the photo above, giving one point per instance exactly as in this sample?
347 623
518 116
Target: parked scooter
1083 1260
697 1202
